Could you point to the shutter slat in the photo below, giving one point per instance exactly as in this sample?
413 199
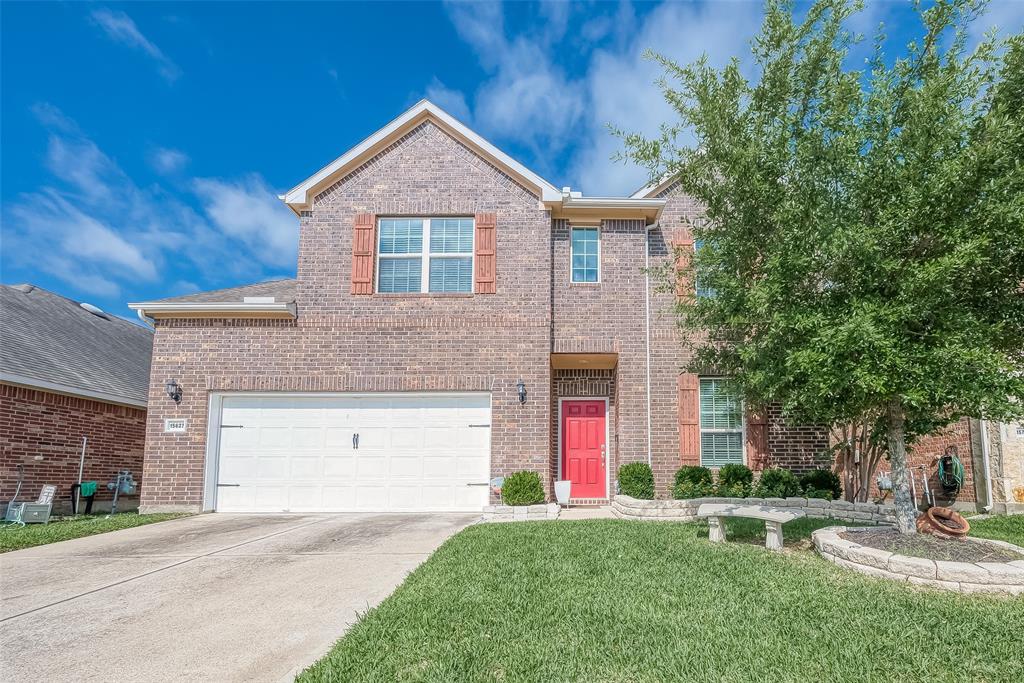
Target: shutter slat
364 248
682 249
689 419
757 439
486 263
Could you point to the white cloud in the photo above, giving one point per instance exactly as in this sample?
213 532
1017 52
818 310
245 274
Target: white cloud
120 28
249 210
452 101
167 161
95 228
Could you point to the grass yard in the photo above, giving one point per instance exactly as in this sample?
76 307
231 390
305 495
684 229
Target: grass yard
611 600
1009 528
30 535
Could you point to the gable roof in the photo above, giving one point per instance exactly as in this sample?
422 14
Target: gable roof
50 342
282 290
300 197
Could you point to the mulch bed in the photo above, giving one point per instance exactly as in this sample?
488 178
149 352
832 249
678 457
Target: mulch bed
930 547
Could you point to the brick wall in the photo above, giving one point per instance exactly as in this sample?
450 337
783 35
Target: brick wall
34 423
342 342
927 449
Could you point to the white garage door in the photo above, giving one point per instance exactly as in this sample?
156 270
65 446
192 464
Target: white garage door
388 452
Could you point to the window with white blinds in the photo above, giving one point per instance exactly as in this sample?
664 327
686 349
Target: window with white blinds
721 424
425 255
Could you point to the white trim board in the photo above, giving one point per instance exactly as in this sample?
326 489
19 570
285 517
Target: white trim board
607 441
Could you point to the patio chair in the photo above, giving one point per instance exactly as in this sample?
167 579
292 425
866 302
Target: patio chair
33 513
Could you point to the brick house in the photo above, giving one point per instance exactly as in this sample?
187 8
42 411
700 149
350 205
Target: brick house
455 318
69 372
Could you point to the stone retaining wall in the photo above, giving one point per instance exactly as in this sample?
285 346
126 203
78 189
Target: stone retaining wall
520 513
627 507
962 577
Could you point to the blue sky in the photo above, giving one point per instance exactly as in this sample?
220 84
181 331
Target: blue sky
143 144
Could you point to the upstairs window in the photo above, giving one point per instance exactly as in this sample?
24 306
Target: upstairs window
702 289
585 247
721 424
425 255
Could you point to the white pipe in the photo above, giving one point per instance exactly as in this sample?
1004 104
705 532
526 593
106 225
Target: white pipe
81 460
647 324
986 466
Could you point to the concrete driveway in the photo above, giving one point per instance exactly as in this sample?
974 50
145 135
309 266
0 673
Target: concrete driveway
206 598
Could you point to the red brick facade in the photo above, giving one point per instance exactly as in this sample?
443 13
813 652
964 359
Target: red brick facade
39 423
342 342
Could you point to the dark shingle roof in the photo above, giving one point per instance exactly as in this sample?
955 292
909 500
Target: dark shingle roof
47 337
283 291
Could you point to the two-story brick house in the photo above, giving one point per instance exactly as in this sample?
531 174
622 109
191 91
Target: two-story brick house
455 318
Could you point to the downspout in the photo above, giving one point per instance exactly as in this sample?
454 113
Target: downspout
647 324
986 465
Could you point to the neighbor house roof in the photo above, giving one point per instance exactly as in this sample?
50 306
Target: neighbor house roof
50 342
271 299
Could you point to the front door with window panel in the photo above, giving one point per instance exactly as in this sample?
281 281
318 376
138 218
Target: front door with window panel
584 448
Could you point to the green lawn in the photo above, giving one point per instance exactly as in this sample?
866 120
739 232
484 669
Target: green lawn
18 537
1002 528
611 600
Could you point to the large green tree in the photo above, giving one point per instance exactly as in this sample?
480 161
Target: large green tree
864 232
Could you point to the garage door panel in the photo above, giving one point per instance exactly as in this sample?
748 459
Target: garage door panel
415 452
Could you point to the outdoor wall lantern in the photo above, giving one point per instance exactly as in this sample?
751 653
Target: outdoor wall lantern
173 390
521 388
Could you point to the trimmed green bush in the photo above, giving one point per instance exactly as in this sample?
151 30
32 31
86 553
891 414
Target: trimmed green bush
777 483
734 481
822 480
522 488
824 494
637 480
693 482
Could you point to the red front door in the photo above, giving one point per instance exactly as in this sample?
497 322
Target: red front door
583 448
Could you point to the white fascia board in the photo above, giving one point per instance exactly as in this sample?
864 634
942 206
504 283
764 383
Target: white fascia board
55 387
149 308
613 203
298 198
653 188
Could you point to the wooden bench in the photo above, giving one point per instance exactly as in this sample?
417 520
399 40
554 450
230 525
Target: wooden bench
773 518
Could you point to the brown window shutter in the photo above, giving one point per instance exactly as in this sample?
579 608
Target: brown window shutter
757 439
364 252
689 419
485 275
683 250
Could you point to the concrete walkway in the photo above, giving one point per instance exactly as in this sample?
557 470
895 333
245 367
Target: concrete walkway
206 598
602 512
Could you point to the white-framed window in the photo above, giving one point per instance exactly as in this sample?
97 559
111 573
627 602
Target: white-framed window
701 289
721 424
425 255
585 252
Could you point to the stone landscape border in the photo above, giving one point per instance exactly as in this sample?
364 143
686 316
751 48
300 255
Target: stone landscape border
520 513
963 577
628 507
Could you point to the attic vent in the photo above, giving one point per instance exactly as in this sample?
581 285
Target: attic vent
258 299
95 310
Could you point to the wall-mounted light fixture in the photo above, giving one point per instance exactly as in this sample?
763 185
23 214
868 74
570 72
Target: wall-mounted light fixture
521 388
173 390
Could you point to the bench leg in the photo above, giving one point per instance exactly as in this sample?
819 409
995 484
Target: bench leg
716 530
773 536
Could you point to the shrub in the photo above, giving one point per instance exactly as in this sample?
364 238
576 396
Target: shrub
522 488
637 480
693 482
777 483
734 481
822 480
824 494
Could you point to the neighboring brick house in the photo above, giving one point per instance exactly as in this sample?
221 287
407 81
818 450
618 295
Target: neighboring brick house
69 372
454 318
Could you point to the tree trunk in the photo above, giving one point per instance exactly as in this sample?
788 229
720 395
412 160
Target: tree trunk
906 510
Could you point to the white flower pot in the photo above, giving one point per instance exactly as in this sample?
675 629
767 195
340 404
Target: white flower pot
562 490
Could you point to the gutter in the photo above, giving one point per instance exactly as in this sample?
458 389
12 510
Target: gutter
148 309
55 387
647 326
